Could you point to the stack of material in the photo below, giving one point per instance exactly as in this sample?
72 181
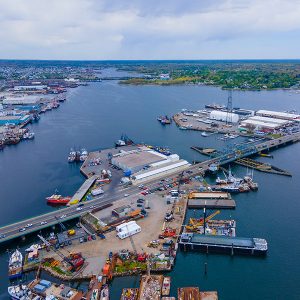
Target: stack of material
150 287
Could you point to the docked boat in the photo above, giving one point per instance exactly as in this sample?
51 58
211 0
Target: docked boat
123 141
166 286
83 155
228 179
28 135
15 265
213 169
72 156
19 292
204 134
215 106
56 199
104 294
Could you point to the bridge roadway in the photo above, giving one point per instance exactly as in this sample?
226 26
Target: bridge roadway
11 231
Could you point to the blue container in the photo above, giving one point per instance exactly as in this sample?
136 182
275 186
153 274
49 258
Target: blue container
127 173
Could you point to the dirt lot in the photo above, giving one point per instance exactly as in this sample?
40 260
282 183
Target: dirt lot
96 252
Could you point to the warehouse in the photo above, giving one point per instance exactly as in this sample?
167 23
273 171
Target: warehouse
279 122
14 120
155 172
135 160
223 116
22 100
278 115
258 125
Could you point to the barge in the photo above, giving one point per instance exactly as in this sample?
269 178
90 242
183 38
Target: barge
229 245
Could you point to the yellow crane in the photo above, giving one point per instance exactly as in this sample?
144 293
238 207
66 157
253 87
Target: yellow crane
196 223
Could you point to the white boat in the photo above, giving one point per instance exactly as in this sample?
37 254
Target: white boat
72 156
19 292
204 134
104 294
15 265
83 155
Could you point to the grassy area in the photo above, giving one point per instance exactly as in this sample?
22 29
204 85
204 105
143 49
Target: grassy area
130 266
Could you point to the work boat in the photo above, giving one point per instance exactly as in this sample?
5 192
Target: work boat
58 199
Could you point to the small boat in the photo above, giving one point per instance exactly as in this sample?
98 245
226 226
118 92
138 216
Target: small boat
182 128
28 135
15 265
213 169
104 294
58 199
19 292
72 156
83 155
165 291
204 134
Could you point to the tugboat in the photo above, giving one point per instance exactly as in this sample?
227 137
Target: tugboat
15 265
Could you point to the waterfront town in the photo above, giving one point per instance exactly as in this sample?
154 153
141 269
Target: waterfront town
129 217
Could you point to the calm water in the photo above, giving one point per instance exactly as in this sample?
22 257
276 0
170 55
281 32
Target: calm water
95 116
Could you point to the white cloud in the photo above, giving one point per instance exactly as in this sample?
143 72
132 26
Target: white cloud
93 29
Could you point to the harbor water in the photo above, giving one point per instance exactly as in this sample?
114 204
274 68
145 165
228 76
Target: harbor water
95 117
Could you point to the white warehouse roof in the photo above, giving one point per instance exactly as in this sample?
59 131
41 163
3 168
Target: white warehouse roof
260 124
223 116
278 114
269 120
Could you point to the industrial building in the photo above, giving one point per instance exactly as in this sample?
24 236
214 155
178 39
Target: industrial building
14 120
21 100
264 123
278 115
224 116
142 163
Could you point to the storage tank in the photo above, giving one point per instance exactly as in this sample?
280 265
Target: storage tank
223 116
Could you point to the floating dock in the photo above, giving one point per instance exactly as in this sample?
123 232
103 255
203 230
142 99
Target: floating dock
260 166
78 196
229 245
129 294
217 203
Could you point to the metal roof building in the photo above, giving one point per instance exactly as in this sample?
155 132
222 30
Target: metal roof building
277 114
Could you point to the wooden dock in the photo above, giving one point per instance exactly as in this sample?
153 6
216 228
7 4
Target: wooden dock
212 203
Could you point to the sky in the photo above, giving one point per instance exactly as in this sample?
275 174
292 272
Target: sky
149 29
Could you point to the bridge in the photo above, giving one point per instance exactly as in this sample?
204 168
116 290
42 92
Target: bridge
37 223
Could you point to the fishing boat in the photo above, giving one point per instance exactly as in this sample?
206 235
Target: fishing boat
83 155
15 265
104 294
56 199
165 291
124 141
19 292
228 179
72 156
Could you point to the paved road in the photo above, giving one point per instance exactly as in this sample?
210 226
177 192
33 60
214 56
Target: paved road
37 223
